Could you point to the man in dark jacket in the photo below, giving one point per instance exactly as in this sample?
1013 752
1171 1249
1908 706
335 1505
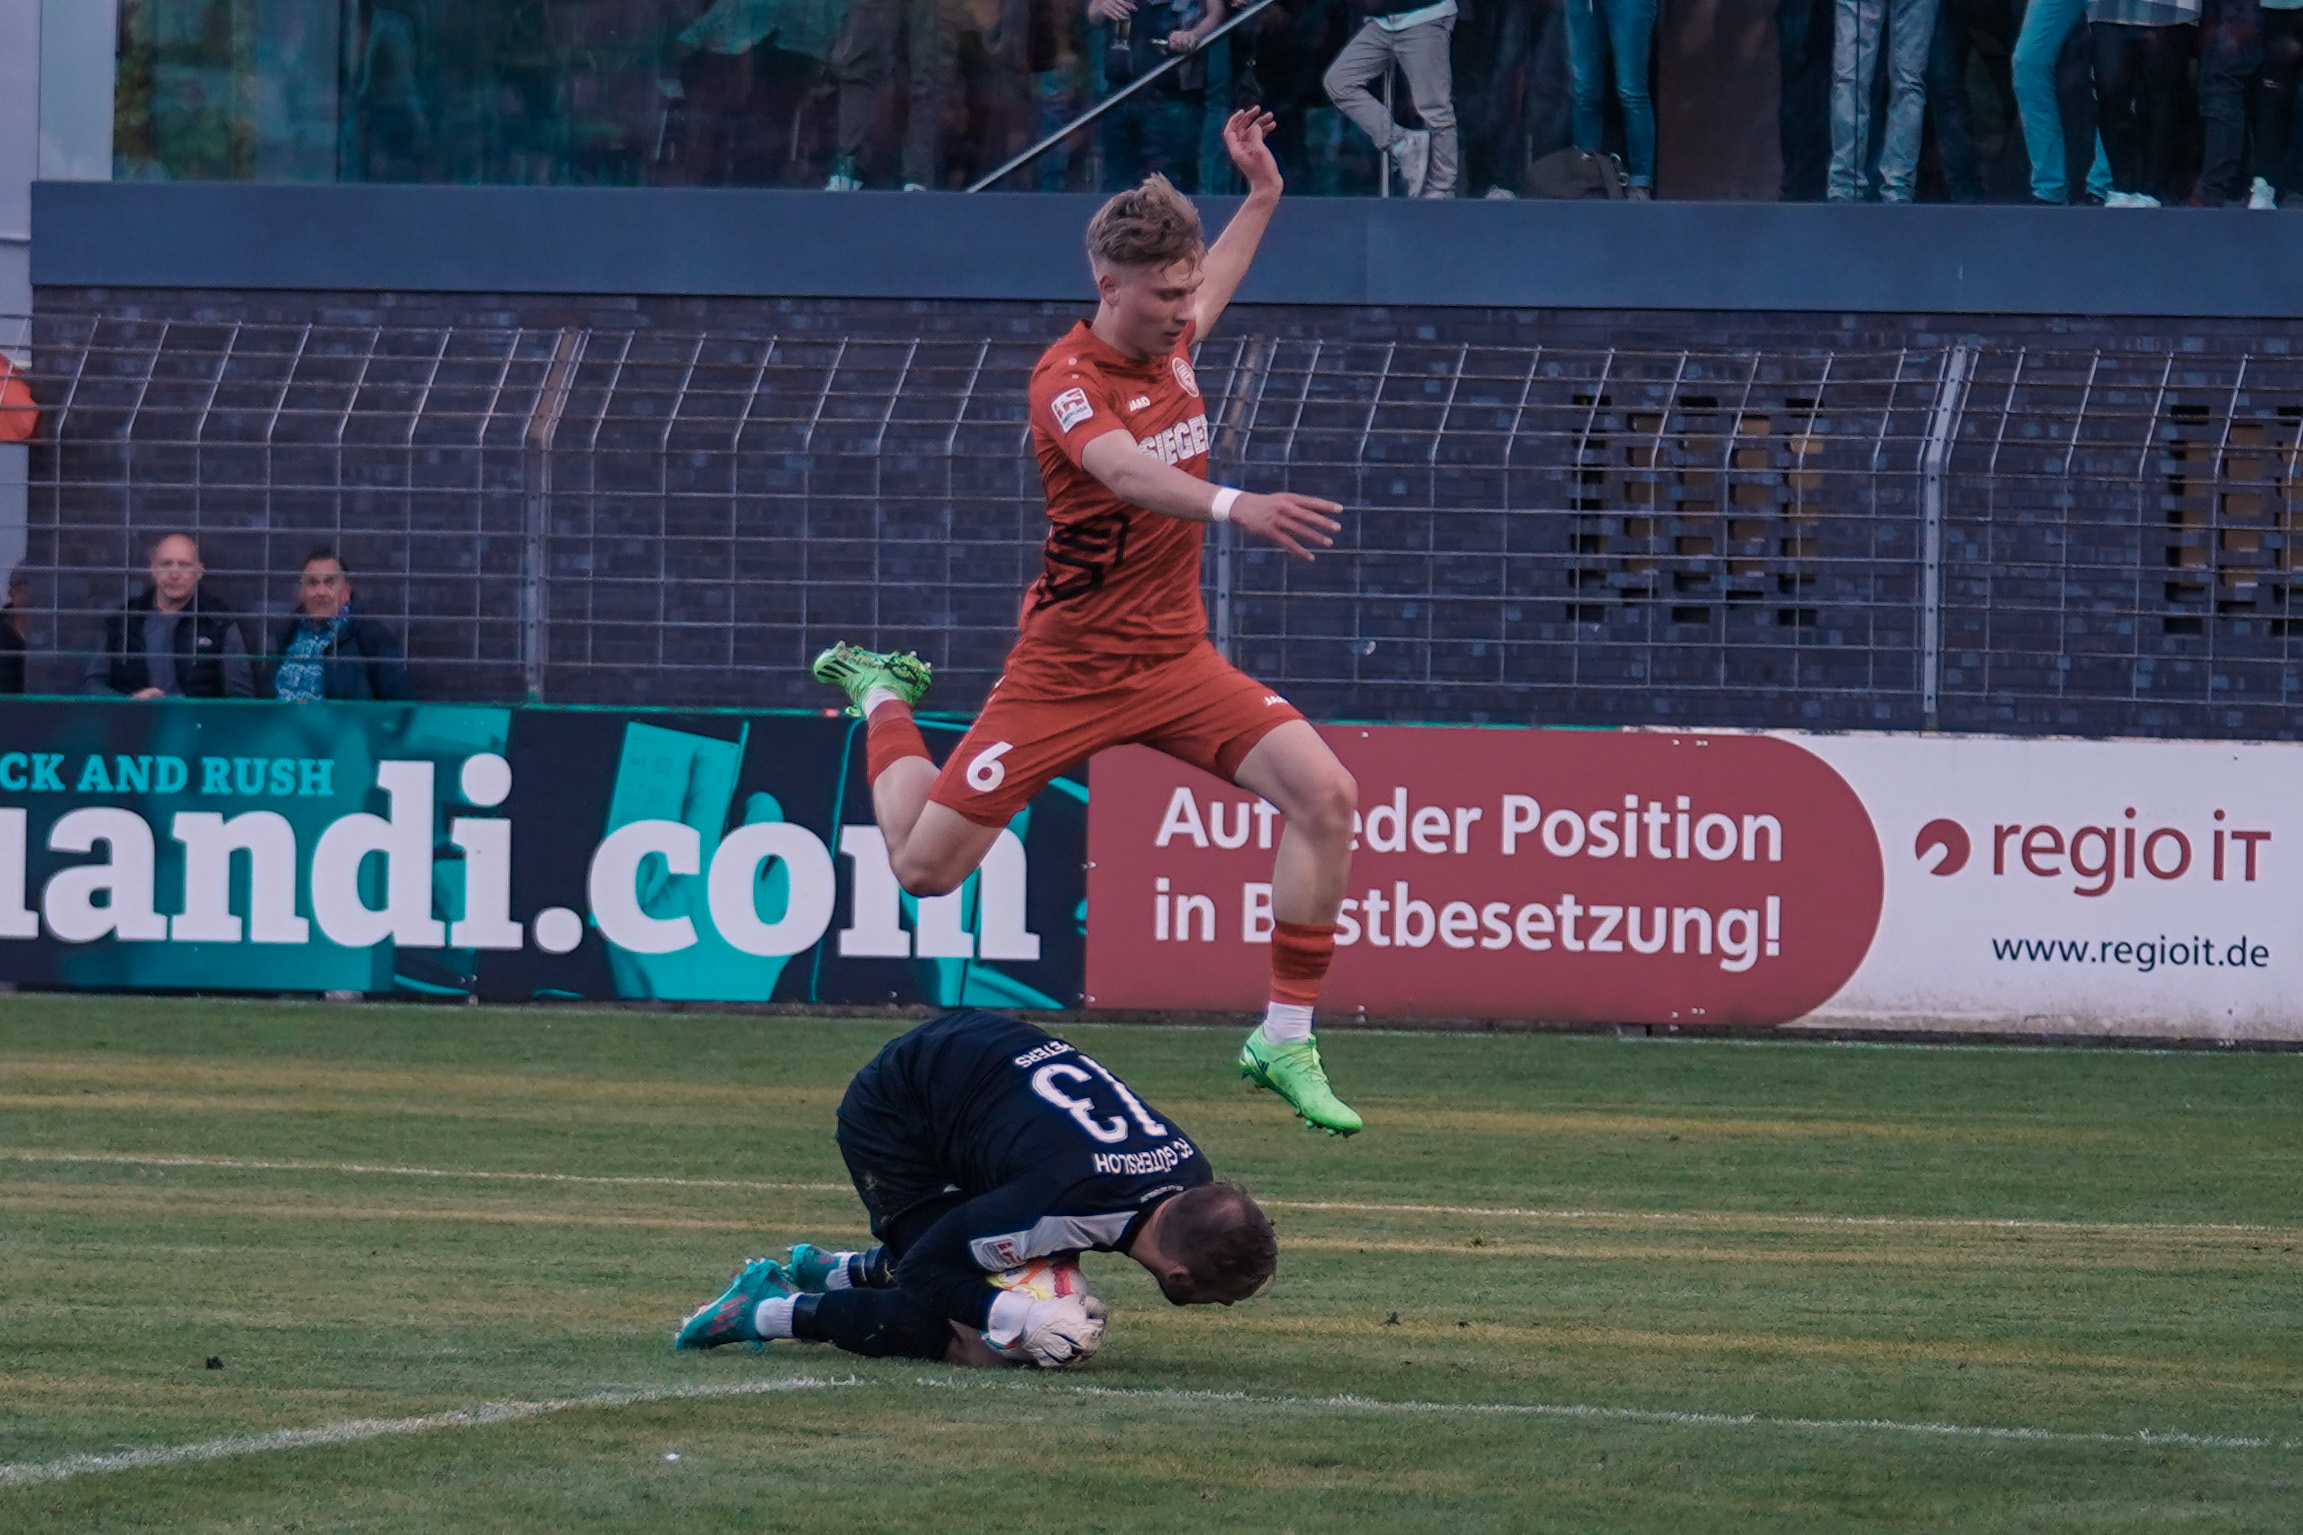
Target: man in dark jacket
326 651
173 640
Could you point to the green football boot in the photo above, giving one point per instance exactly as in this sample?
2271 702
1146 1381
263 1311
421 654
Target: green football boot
1293 1071
728 1319
810 1267
858 672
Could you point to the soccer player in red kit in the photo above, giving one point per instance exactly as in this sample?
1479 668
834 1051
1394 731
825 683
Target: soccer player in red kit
1113 641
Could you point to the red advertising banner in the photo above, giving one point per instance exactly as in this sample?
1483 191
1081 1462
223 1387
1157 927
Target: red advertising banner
1636 877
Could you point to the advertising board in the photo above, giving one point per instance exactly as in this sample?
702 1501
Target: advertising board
1708 878
501 853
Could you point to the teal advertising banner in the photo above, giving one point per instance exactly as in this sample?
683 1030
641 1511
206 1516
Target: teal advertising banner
502 853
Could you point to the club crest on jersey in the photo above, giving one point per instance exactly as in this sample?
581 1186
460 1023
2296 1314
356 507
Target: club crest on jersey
1071 408
1184 377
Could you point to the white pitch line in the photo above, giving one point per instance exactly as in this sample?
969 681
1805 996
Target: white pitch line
1498 1212
1662 1416
250 1165
1770 1217
353 1431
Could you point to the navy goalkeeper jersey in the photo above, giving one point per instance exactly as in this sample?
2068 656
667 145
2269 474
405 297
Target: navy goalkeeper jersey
1052 1153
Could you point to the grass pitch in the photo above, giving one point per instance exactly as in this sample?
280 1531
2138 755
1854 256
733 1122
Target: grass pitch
1560 1284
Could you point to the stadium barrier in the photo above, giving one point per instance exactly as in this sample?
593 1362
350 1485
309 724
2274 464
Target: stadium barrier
1977 884
503 853
1645 877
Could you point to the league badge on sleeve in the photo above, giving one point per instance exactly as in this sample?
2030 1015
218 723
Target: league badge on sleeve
1071 408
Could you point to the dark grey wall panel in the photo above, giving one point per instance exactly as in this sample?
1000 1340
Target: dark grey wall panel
1663 256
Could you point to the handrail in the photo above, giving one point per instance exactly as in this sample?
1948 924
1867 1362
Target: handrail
1105 105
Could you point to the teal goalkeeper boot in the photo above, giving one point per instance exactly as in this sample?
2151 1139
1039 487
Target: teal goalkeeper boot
857 672
728 1319
1293 1071
810 1267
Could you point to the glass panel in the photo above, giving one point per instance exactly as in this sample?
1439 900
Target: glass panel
1702 98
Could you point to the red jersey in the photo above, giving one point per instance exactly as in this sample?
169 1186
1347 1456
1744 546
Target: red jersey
1116 579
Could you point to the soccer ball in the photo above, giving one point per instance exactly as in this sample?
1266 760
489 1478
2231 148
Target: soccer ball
1050 1278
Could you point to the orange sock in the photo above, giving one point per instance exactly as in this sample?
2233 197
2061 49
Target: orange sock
1300 955
889 737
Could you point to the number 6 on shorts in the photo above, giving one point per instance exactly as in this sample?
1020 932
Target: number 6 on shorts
985 770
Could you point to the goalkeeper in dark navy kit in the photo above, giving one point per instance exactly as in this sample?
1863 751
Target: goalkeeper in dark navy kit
980 1143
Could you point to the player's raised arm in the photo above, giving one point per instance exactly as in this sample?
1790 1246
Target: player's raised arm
1227 260
1302 525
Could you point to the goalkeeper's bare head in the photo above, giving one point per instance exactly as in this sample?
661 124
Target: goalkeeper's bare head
1210 1245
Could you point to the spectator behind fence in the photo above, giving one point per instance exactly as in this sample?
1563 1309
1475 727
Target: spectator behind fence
2230 58
2279 96
324 650
1173 127
940 42
1857 26
2046 32
14 636
1416 36
174 639
1623 31
2142 53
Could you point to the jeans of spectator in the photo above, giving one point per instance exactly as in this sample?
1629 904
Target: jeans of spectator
2047 27
1421 53
926 35
1803 103
1947 104
2230 56
1621 31
1856 44
2138 83
2279 104
1154 131
1167 128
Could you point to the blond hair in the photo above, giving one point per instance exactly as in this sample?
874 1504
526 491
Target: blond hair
1153 225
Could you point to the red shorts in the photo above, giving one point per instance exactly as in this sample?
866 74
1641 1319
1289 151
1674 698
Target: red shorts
1196 707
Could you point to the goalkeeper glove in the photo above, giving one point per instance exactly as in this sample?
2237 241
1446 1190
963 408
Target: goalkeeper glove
1050 1333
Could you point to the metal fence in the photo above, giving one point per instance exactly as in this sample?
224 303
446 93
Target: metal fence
1958 537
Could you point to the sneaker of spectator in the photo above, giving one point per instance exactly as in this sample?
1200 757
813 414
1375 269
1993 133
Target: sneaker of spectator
844 177
1412 149
2129 200
2262 195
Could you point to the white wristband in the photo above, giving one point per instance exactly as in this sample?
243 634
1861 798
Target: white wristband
1225 495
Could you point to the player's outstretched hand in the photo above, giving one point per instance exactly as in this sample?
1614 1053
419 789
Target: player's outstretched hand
1062 1332
1243 137
1299 524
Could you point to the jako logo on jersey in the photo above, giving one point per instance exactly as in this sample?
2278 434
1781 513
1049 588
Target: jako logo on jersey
1183 375
1140 402
1185 439
1071 408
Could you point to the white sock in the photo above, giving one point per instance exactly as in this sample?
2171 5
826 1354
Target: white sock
838 1278
773 1319
879 696
1286 1022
